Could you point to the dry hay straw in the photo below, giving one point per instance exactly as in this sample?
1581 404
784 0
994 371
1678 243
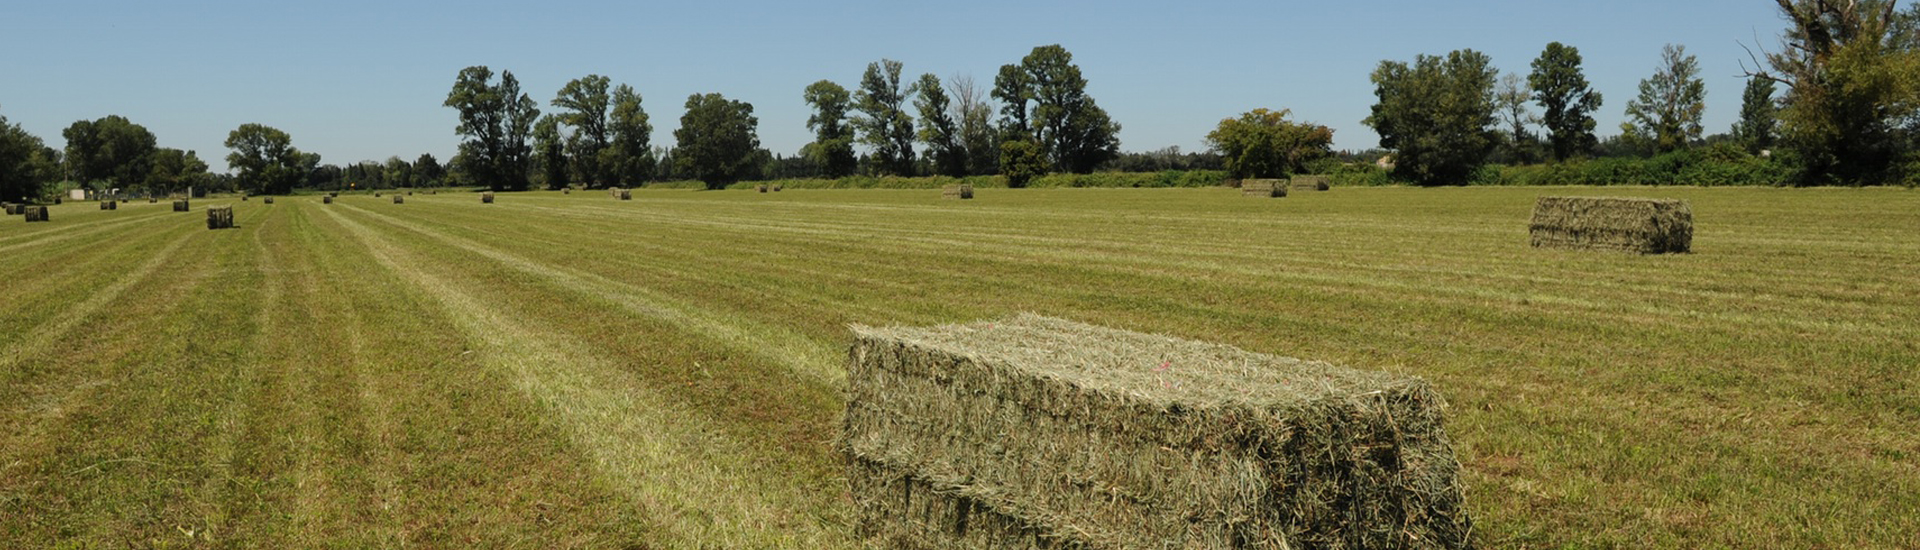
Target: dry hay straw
1642 225
397 199
1263 188
486 198
219 217
1311 183
34 213
181 206
961 191
1032 432
326 199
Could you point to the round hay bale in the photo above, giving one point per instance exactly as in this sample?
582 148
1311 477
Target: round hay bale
486 198
181 206
36 213
268 200
326 199
762 188
397 199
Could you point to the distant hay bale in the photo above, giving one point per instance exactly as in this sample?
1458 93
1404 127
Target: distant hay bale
376 194
961 191
1312 183
181 206
566 191
56 200
14 209
333 193
761 187
267 200
397 199
779 186
486 198
1646 226
326 199
1031 432
109 205
219 217
624 194
151 200
35 213
1263 188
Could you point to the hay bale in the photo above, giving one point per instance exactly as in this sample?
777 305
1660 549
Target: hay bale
56 200
109 205
14 209
333 193
486 198
267 200
1646 226
961 191
34 213
219 217
397 199
1311 183
326 199
566 191
779 186
762 188
376 194
151 200
181 206
624 194
1263 188
1031 432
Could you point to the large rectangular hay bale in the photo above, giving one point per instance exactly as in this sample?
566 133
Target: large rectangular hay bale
624 194
1646 226
326 199
1311 183
399 199
181 206
109 205
35 213
761 188
1032 432
266 200
961 191
219 217
1263 188
486 198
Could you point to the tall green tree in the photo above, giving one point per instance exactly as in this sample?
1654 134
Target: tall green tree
1667 114
1068 125
1263 144
174 169
1436 115
937 127
631 151
584 102
1567 102
19 178
1021 160
1853 83
267 162
1755 130
429 171
977 134
497 120
550 153
832 147
884 123
716 139
111 150
399 172
1518 143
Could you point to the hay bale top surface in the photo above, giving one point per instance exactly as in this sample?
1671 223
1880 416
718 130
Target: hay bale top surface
1163 370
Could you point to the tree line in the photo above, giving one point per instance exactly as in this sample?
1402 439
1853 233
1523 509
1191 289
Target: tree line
1849 114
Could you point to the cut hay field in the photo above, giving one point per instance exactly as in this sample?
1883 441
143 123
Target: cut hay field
572 371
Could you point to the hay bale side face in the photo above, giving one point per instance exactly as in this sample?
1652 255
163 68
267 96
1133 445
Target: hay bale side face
486 198
961 191
35 213
181 206
326 200
267 200
778 187
1129 440
397 199
1263 188
219 217
1311 183
1641 225
626 195
760 188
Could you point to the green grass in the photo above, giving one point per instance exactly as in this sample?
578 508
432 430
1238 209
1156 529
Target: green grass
578 372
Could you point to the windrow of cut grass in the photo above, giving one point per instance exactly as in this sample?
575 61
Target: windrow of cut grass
665 371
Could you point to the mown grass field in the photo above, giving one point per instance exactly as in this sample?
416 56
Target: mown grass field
576 372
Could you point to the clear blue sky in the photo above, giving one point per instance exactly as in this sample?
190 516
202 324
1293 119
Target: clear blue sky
364 80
